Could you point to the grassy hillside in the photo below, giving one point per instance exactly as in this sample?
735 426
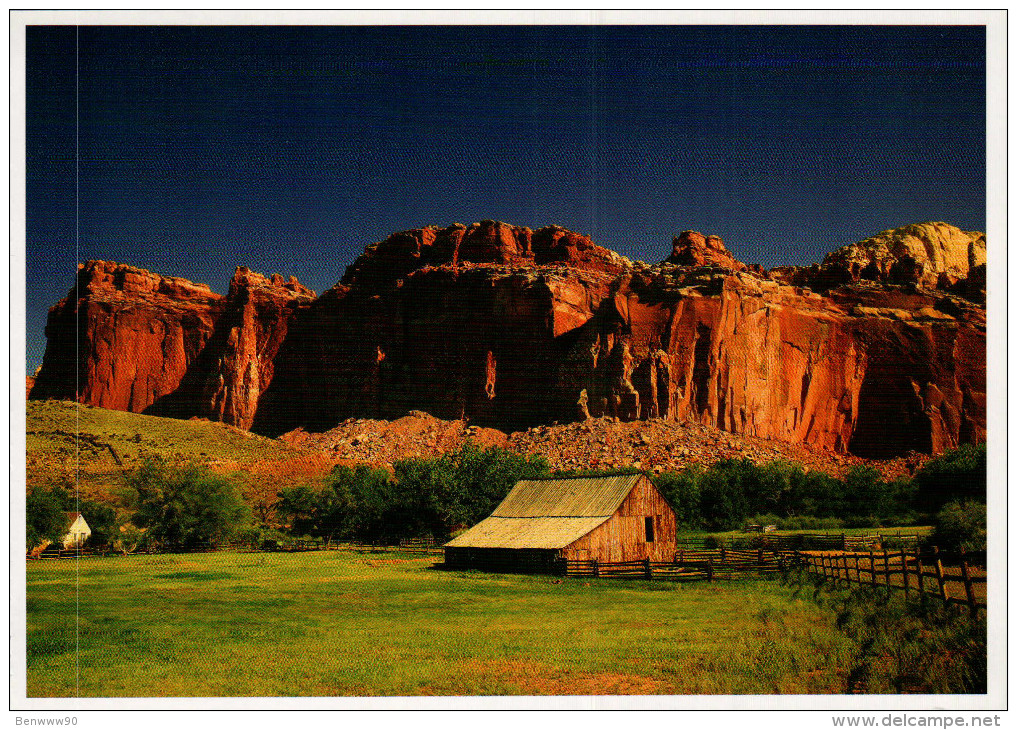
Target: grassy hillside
342 623
90 448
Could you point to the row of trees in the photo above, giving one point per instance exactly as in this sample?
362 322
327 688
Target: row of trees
423 496
190 506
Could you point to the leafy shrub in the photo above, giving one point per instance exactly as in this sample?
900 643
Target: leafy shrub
129 538
863 521
808 522
960 526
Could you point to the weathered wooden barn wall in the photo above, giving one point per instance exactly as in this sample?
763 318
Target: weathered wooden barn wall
623 536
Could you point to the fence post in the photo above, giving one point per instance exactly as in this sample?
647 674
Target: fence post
872 566
969 588
709 570
596 568
904 565
921 571
760 557
886 567
647 569
722 554
858 574
681 558
939 575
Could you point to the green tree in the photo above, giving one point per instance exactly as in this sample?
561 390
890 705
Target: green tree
866 494
458 489
821 495
722 496
681 490
298 505
102 521
353 504
774 488
45 518
186 507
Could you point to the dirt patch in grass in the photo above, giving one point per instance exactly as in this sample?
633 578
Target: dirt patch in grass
534 678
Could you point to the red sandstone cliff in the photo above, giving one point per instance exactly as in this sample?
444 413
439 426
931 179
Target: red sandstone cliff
149 343
512 327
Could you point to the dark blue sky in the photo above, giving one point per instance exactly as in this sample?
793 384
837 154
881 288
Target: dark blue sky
289 149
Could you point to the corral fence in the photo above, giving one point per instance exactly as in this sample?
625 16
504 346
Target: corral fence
930 572
688 564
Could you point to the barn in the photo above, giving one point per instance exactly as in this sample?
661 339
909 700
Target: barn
542 521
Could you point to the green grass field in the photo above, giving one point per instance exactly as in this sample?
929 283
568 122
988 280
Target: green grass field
349 624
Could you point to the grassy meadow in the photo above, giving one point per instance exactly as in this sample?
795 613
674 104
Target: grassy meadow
359 624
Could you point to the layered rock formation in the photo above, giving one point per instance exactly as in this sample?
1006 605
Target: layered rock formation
511 327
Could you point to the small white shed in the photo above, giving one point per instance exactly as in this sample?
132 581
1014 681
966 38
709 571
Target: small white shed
77 532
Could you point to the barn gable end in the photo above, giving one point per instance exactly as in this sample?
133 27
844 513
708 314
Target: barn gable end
624 536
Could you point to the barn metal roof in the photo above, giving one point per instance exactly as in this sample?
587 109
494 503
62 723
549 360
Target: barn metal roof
549 513
527 532
570 497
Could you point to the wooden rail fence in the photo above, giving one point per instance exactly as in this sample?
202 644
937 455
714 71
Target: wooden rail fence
687 565
906 570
